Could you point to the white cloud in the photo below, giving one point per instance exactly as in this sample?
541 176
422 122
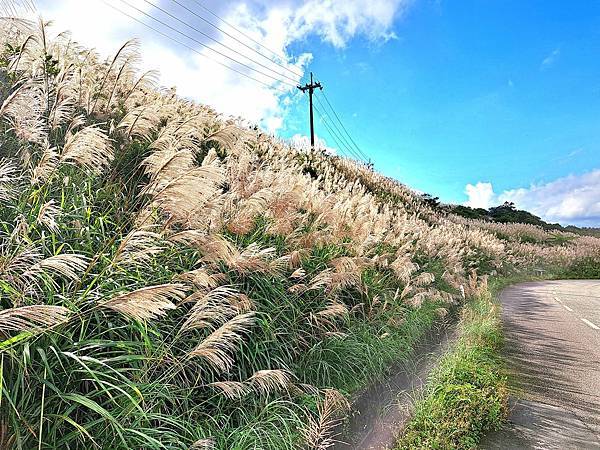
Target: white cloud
275 24
337 21
550 59
481 195
574 199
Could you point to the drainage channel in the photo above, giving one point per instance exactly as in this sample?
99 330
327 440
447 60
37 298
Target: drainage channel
382 410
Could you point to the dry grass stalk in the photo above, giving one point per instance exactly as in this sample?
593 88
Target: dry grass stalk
270 381
319 432
217 347
89 148
147 303
32 318
233 390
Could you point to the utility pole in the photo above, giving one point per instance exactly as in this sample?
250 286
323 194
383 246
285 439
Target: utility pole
310 88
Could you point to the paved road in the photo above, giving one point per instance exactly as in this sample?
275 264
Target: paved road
552 349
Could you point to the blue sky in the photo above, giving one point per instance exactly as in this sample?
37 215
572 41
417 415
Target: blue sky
506 92
476 102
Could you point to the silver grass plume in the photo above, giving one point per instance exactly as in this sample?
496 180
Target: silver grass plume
147 303
232 389
214 307
217 347
89 148
319 432
48 215
204 444
9 176
32 318
139 247
270 380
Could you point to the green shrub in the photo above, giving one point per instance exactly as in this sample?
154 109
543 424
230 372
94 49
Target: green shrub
584 268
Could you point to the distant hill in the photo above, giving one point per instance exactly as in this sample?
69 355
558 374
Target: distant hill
506 213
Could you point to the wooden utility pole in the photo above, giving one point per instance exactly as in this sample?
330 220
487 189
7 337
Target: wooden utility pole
310 88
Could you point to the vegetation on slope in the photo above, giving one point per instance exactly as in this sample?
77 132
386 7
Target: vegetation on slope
467 394
508 213
170 278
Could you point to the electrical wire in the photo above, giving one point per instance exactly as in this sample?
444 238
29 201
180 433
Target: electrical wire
341 146
192 48
344 128
203 44
212 13
339 132
207 36
204 19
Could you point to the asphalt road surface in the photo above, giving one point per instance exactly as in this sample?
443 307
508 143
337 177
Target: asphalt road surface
552 350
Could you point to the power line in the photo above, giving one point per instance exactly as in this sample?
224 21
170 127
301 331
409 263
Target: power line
339 147
297 74
339 132
164 11
191 48
212 13
344 128
202 43
348 151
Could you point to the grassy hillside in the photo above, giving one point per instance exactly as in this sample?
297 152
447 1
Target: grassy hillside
171 278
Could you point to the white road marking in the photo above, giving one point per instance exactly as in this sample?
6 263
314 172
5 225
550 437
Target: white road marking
590 324
567 308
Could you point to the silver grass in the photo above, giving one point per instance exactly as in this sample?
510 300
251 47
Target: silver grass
333 309
228 136
269 381
139 247
147 303
89 148
32 318
423 279
217 347
48 215
319 432
67 265
14 8
214 307
24 111
298 273
232 389
403 267
9 176
126 53
201 278
46 165
204 444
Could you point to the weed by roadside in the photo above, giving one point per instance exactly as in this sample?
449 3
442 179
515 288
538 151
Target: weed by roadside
467 394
